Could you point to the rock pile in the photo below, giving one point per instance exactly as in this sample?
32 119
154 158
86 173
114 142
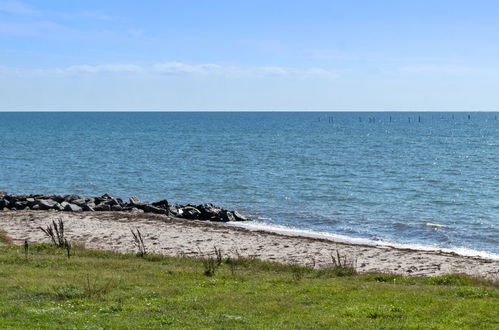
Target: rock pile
75 203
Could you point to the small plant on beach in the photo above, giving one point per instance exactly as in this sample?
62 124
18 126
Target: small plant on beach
139 242
56 233
340 266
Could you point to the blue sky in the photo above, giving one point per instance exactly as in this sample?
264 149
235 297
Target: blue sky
251 55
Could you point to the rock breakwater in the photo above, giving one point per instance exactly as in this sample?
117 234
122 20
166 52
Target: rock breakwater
106 202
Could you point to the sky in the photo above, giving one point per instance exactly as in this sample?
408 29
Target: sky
234 55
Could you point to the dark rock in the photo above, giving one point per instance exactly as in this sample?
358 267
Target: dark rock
209 211
21 205
227 216
71 198
162 204
190 212
175 210
70 207
35 207
134 201
80 202
113 201
102 207
3 203
88 207
239 217
47 204
31 201
58 207
57 198
116 208
3 193
152 209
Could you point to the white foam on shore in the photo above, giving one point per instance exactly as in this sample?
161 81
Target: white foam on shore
292 231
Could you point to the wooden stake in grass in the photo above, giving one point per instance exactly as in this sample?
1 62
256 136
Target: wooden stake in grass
139 242
26 249
68 248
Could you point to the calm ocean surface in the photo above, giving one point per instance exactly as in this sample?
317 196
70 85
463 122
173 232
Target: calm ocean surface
417 179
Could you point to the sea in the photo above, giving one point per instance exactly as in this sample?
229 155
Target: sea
421 180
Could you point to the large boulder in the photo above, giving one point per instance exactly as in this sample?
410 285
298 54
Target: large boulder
71 198
3 203
80 202
163 204
70 207
20 205
190 212
102 207
57 198
209 211
152 209
134 201
227 216
47 204
239 217
88 207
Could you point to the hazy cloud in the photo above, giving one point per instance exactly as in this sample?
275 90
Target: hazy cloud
435 68
177 68
23 9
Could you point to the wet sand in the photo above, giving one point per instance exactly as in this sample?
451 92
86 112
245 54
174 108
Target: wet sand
176 237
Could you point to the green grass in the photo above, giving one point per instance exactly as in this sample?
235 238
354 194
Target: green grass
96 289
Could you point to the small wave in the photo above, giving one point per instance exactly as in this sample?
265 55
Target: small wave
292 231
435 225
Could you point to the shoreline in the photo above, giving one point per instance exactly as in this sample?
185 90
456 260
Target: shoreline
338 238
178 237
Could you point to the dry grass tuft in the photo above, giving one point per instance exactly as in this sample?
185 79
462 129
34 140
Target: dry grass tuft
5 238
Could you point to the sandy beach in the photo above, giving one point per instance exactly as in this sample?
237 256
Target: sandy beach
174 237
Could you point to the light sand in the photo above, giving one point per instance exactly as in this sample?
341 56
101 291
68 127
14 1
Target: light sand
174 237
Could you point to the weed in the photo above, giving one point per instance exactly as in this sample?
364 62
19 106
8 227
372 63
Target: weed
93 289
68 292
4 238
450 279
68 246
218 254
139 242
298 272
210 266
56 233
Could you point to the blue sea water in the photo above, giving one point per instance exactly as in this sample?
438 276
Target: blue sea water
412 179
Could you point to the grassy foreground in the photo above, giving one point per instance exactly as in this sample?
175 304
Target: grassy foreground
96 289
